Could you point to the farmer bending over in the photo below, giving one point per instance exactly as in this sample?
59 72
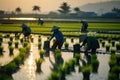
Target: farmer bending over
84 26
26 31
41 22
59 38
91 42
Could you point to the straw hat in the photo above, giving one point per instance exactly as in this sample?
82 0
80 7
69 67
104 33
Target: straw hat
54 28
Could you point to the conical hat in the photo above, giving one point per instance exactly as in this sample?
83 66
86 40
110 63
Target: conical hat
55 28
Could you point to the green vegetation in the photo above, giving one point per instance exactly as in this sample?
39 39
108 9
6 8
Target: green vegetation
67 28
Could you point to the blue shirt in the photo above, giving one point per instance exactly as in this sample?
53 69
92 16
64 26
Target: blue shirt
58 35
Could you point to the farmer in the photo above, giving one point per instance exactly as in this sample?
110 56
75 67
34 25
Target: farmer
26 31
41 22
59 38
92 44
84 26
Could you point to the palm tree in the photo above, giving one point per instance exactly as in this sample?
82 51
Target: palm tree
36 8
77 10
18 10
64 8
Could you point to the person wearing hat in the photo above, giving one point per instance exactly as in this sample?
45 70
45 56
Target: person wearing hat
41 22
91 42
26 31
59 37
84 26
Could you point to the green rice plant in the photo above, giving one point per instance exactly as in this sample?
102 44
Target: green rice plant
48 37
72 64
77 57
118 46
1 39
38 64
112 76
39 36
93 57
112 51
1 50
67 68
54 76
22 53
118 59
7 35
100 39
112 63
61 71
39 39
86 70
9 43
4 76
72 40
109 40
18 60
107 47
21 40
64 39
39 45
10 68
103 43
16 44
113 43
28 49
42 53
95 66
116 70
11 38
25 44
94 63
58 57
11 49
0 43
66 45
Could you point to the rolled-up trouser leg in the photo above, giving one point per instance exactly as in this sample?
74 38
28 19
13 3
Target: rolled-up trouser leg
60 45
93 51
55 45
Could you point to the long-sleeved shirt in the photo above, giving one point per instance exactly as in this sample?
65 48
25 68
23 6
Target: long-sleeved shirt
58 35
91 42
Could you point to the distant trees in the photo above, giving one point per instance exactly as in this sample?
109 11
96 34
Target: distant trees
36 8
18 10
64 8
116 10
77 10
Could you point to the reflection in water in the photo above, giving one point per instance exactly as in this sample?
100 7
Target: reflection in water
31 66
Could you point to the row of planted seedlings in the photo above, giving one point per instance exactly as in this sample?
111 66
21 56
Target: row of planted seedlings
114 64
7 70
19 59
61 69
10 40
110 45
42 53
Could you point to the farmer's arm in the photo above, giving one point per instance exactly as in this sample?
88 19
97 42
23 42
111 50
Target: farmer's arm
51 37
84 42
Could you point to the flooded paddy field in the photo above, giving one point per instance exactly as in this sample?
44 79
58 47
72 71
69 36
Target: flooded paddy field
27 70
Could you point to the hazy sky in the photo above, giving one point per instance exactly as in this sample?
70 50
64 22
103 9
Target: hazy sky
45 5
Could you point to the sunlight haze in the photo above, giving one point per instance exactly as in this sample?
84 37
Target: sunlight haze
45 5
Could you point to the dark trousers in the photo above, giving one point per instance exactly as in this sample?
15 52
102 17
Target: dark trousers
57 44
